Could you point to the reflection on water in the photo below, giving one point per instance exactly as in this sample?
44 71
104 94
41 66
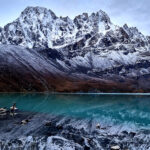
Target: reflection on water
134 109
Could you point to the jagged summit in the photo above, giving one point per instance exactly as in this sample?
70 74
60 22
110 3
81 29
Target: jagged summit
35 8
38 11
89 47
38 27
103 16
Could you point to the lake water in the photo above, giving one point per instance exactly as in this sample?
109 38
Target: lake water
131 111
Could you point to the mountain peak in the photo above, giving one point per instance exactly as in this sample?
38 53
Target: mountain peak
125 26
37 11
103 16
39 27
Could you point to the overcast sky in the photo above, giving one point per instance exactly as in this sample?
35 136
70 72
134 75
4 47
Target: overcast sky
133 12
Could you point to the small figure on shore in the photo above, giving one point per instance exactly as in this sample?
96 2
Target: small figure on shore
13 108
23 122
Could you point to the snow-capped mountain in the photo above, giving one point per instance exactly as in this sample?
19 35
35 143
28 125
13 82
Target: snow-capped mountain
89 47
39 27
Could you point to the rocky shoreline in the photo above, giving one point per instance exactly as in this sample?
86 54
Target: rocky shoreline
51 132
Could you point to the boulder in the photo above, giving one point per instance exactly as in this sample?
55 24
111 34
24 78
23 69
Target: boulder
116 147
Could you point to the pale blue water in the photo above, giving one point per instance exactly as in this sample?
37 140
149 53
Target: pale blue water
111 108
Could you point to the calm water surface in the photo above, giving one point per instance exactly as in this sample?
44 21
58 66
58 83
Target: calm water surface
132 110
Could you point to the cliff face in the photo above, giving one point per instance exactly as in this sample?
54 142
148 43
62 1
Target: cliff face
42 52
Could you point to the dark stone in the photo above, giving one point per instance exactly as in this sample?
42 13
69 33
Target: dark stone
104 142
48 124
86 147
125 132
106 41
59 127
51 54
132 134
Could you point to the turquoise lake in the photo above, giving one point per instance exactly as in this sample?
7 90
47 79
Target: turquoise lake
132 110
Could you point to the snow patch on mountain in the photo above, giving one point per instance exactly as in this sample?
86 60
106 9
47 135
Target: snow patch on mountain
86 44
